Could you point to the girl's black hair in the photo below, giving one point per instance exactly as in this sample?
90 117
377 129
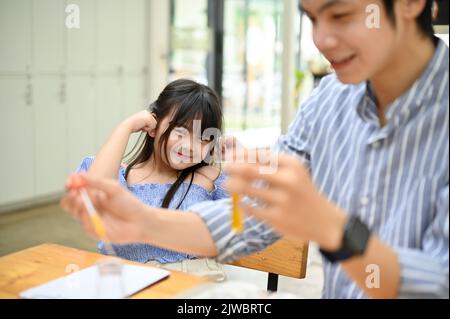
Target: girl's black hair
424 20
189 101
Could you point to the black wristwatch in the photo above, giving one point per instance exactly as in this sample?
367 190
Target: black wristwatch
354 241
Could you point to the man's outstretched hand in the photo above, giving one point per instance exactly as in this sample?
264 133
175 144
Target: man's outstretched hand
122 213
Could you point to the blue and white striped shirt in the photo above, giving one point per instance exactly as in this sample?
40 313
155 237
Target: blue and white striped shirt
395 178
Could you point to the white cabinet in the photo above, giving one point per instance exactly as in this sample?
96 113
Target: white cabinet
134 94
135 43
49 136
17 158
81 120
135 100
48 36
109 33
62 91
109 107
15 36
81 43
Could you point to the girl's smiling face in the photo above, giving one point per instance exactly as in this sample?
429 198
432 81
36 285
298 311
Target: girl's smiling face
184 147
182 104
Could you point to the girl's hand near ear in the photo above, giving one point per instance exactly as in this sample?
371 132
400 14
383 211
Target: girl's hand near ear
143 121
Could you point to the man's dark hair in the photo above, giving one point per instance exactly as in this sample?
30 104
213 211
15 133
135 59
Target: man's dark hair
424 20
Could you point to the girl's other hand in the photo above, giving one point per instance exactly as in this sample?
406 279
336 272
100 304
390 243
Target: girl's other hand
143 121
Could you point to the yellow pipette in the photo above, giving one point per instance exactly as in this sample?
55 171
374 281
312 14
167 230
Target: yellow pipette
96 221
237 222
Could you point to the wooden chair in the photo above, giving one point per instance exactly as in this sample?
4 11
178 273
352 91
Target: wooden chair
284 257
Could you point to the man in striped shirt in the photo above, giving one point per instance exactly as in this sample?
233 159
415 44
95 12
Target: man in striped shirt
370 146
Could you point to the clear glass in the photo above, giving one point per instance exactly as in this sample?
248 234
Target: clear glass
110 283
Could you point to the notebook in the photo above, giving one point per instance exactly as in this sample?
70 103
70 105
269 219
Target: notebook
88 284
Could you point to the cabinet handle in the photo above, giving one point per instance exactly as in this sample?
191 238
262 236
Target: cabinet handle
28 94
62 93
29 87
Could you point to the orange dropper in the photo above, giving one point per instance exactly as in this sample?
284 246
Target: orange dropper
79 184
237 223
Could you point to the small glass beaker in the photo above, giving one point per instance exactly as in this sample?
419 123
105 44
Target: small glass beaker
110 283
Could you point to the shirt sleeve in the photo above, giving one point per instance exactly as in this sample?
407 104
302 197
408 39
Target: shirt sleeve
424 273
86 164
231 246
220 192
298 140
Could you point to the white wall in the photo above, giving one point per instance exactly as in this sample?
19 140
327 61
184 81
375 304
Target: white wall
63 90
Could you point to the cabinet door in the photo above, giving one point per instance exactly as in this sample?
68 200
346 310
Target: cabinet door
134 101
50 136
48 36
81 117
81 42
134 94
15 36
109 111
16 141
136 40
136 36
109 36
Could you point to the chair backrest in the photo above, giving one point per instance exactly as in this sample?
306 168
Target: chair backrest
284 257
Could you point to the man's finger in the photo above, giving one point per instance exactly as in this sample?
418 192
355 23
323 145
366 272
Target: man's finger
68 203
265 195
109 186
287 160
64 203
99 200
87 224
255 172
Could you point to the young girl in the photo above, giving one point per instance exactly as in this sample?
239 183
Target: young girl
170 167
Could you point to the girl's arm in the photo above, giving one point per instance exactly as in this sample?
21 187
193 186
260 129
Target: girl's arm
108 160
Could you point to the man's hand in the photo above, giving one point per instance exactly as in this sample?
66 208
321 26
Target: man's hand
292 203
230 149
122 213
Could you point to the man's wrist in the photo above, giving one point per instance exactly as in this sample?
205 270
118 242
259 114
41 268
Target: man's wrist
146 221
354 237
334 230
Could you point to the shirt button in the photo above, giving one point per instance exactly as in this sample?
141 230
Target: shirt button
376 145
364 200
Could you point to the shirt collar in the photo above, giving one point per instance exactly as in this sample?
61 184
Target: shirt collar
422 90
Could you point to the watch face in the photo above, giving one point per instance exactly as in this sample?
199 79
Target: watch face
357 236
354 243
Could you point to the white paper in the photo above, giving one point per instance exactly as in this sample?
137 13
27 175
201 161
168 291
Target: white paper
84 284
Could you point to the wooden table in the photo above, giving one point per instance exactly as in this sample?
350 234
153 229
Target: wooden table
34 266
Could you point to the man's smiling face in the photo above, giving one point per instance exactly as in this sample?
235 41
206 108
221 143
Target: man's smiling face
341 31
